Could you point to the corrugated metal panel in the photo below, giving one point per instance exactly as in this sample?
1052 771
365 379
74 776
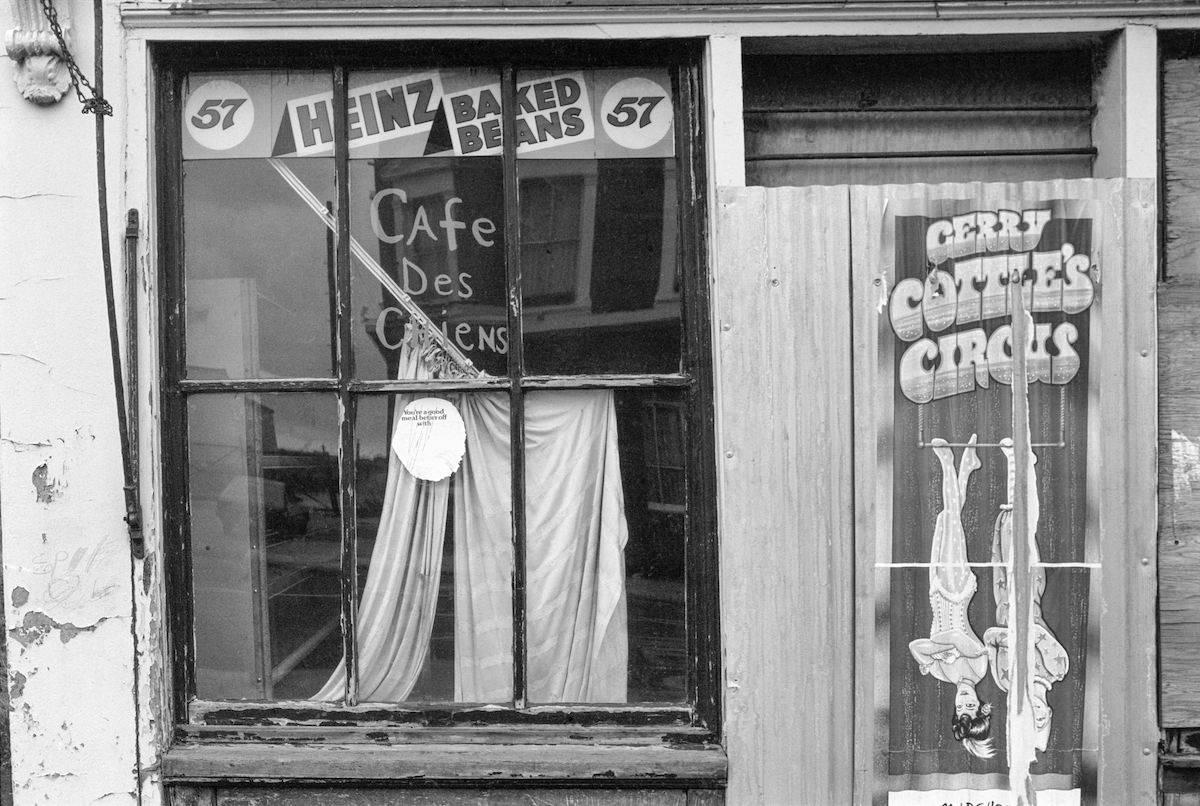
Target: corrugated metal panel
783 421
917 118
791 536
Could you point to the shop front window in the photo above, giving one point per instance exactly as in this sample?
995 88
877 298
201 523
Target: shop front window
434 399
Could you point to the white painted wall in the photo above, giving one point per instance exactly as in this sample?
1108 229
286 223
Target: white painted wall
67 565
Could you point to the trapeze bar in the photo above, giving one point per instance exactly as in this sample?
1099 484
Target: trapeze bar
922 444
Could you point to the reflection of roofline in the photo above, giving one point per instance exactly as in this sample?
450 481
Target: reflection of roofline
565 317
276 461
559 318
662 590
568 318
395 168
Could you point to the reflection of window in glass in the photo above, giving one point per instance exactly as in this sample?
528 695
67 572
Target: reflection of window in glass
550 210
650 427
412 217
629 254
266 535
549 563
623 313
665 455
257 271
436 226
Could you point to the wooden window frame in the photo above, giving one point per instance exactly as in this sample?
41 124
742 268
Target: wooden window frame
696 722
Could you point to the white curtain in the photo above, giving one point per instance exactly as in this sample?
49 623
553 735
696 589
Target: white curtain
399 599
483 556
577 633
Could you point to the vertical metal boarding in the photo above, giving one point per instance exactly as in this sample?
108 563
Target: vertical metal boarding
806 416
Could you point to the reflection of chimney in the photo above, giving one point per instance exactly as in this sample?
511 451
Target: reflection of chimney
266 421
389 260
628 236
331 277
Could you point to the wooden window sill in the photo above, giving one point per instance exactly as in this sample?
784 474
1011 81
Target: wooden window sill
232 763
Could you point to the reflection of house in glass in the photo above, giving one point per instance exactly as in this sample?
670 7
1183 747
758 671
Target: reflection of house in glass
437 225
265 513
265 521
598 261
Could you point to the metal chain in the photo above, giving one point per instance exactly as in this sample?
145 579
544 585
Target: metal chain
96 105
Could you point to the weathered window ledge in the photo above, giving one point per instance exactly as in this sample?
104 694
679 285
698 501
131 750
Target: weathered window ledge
654 765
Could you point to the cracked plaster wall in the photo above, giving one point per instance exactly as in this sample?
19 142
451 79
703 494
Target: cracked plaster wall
66 561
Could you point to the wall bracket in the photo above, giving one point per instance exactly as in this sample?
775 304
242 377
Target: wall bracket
41 73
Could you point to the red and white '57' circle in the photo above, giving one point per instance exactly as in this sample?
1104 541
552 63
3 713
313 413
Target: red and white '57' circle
636 113
219 114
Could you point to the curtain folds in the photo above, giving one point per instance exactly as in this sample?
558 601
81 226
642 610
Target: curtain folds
483 559
399 599
577 634
576 626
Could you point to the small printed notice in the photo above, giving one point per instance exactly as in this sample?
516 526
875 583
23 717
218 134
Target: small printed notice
989 797
429 438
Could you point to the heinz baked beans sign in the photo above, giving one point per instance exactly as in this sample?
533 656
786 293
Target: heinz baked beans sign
582 114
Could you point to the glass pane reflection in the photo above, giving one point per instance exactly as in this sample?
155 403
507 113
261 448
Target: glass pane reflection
435 226
599 266
435 556
266 543
258 271
605 549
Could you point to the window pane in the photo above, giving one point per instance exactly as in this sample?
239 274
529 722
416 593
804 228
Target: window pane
258 270
265 538
604 508
433 229
435 556
599 266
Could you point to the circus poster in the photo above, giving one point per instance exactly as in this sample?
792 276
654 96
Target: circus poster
947 726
